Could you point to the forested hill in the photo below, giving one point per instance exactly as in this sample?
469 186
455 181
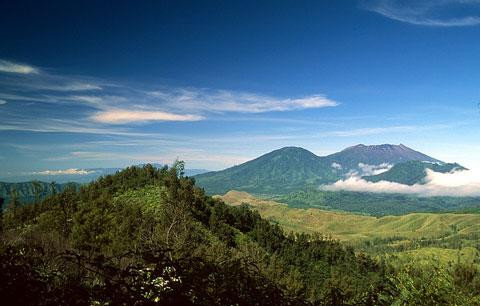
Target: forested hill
148 236
413 172
279 171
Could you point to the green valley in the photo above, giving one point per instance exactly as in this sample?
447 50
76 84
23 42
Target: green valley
416 235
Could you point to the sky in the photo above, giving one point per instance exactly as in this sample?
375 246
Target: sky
86 84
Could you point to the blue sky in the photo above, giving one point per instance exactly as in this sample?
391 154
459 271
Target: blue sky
215 83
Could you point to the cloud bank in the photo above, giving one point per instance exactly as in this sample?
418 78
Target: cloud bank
433 13
72 171
458 183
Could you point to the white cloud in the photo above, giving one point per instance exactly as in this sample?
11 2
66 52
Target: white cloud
2 102
71 171
69 86
374 169
384 130
119 116
242 102
458 183
198 157
11 67
336 166
428 13
87 99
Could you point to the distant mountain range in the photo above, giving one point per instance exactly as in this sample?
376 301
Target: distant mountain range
282 171
292 168
25 188
80 176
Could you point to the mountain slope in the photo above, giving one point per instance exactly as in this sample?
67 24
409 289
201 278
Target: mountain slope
26 190
293 168
339 224
412 172
280 171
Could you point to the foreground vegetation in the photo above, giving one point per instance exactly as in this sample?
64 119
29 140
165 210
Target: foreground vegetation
146 236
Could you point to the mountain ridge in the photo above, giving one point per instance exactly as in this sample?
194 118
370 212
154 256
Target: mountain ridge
294 168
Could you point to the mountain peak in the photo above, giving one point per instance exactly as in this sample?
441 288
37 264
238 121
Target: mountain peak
290 148
385 146
378 154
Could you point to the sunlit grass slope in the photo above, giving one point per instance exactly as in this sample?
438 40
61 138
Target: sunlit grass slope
352 227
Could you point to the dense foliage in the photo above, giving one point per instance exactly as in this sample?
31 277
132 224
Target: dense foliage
375 204
146 236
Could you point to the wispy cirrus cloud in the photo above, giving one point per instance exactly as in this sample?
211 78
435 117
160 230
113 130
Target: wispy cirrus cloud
434 13
384 130
234 101
121 116
112 103
12 67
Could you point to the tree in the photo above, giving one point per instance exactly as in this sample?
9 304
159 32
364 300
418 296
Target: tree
2 200
53 188
37 187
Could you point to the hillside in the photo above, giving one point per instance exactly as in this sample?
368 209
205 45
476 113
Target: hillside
292 169
350 227
146 236
280 171
412 172
426 238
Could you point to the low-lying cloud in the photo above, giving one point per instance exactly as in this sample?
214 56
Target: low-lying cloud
458 183
72 171
374 169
